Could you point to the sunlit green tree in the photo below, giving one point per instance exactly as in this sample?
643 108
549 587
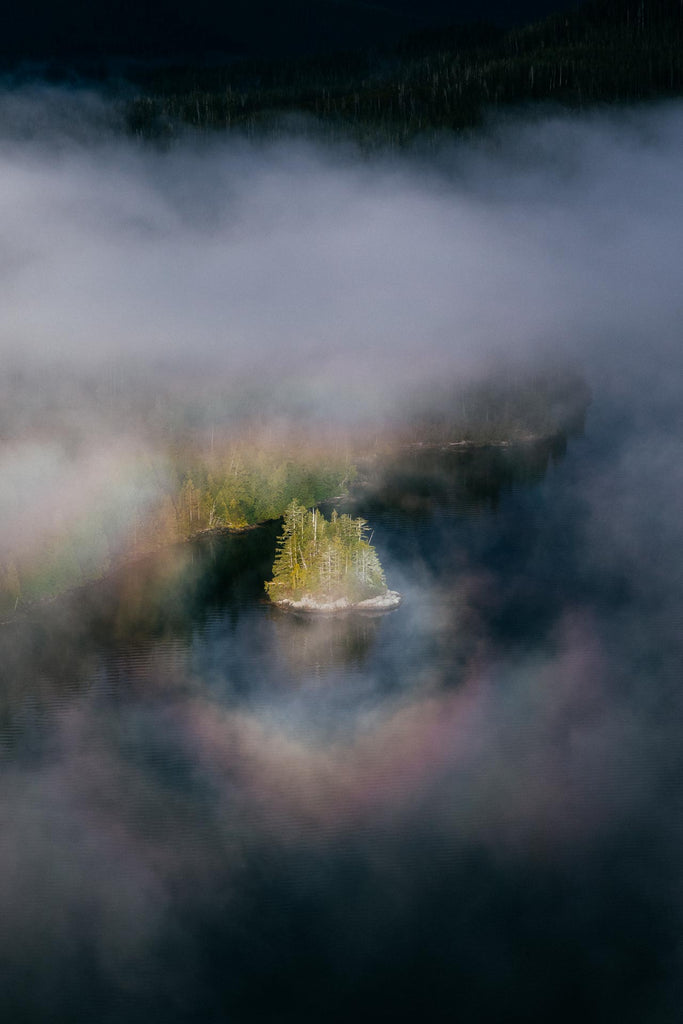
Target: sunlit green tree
324 559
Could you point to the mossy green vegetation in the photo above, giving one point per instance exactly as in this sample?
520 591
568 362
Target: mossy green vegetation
324 560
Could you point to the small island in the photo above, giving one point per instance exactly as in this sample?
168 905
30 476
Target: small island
327 566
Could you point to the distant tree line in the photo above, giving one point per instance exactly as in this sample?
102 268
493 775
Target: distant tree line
605 51
504 406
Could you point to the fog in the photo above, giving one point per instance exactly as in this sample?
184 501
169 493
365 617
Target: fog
479 803
559 234
306 281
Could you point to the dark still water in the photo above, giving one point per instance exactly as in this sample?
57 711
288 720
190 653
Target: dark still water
468 809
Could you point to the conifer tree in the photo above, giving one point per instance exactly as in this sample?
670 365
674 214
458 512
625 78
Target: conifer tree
325 560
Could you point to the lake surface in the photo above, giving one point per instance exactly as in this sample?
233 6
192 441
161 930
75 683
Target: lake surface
466 809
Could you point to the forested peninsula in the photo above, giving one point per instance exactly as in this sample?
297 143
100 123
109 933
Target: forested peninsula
84 495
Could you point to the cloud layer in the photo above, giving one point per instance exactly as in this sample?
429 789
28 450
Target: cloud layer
301 262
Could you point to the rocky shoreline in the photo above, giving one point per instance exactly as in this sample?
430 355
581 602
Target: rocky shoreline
382 603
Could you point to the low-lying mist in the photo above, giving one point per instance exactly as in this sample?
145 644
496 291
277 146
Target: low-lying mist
152 292
326 273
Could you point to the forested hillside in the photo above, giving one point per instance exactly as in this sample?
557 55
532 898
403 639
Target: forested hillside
606 51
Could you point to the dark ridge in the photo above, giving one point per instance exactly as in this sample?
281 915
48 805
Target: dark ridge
432 80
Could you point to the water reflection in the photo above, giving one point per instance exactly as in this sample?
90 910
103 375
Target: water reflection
316 644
